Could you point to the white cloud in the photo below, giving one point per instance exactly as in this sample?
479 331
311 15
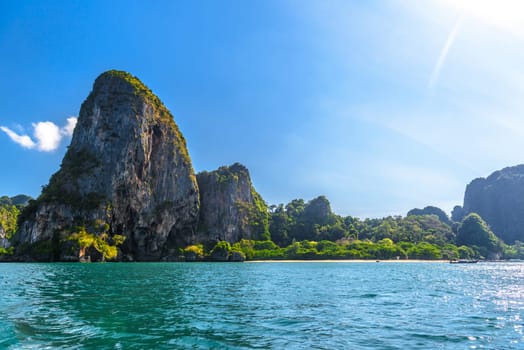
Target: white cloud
47 134
23 140
70 126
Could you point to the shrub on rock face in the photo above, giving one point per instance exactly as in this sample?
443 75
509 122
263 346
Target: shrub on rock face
8 220
96 247
194 252
220 251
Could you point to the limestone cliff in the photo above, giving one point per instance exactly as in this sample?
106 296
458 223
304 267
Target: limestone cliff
128 168
230 208
499 200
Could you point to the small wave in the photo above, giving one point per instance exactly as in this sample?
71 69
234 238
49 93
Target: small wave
368 296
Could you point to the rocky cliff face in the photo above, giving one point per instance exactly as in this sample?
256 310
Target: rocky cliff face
499 200
127 168
230 209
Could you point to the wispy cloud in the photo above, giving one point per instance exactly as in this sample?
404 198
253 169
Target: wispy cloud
69 127
47 135
23 140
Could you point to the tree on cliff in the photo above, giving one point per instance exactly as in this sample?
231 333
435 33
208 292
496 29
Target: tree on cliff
8 217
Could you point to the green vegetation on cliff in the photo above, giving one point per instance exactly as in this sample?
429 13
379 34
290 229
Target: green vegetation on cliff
257 216
140 88
91 243
63 188
103 243
193 252
10 208
8 219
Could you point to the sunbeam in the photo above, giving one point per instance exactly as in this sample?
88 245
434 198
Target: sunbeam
443 55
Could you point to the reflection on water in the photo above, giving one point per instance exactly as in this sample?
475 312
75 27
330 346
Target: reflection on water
261 306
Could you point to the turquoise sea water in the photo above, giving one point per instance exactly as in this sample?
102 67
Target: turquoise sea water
317 305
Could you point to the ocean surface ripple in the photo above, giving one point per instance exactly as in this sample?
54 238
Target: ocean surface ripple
302 305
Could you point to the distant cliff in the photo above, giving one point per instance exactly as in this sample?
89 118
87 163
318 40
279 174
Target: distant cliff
230 209
499 200
127 171
20 200
430 210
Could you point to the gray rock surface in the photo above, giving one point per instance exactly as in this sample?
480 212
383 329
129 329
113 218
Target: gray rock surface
237 257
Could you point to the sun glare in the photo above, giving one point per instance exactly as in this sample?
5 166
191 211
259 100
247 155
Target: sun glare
506 15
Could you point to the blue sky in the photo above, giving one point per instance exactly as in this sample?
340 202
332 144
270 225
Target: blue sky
382 106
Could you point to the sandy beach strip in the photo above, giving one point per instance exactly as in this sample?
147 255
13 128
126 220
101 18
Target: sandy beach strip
350 261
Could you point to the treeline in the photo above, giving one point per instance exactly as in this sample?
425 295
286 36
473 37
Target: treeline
315 221
310 230
426 233
322 250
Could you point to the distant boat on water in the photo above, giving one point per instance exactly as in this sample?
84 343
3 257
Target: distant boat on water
463 261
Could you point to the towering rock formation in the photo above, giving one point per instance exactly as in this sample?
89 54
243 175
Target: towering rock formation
127 170
230 209
499 200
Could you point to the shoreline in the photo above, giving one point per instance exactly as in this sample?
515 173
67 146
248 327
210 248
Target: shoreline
407 261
